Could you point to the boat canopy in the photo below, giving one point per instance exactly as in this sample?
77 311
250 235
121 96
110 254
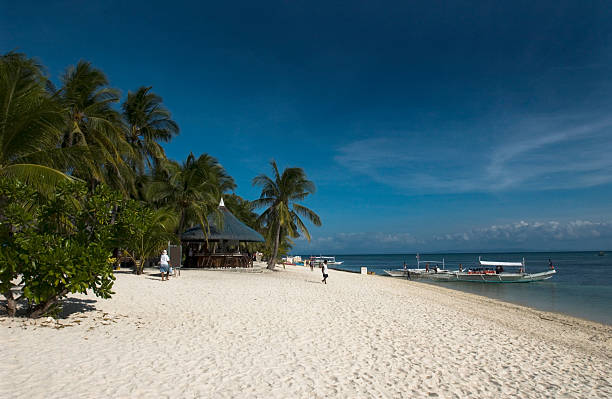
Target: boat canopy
495 263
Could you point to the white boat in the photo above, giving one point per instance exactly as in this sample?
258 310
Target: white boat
292 260
494 272
318 260
419 271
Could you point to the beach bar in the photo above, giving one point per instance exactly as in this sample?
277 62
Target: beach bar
222 246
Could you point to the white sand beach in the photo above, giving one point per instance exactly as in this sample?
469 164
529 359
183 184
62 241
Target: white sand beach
212 334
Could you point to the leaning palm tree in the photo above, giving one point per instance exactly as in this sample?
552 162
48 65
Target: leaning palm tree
279 194
149 122
31 124
93 123
192 189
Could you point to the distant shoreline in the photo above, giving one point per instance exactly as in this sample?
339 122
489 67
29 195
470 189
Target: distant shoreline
450 252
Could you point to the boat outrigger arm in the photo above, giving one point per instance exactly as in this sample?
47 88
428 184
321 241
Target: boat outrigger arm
435 262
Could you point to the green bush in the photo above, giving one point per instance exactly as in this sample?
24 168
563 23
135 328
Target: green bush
143 232
53 246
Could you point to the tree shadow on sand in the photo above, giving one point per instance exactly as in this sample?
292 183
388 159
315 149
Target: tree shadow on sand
124 271
74 305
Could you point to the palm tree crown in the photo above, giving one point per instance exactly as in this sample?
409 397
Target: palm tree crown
93 123
148 122
31 124
280 195
193 189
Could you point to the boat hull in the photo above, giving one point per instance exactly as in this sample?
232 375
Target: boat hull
471 277
414 273
397 273
494 278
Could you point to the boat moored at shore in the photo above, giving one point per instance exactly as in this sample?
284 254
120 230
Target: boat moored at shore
484 272
419 271
318 260
494 272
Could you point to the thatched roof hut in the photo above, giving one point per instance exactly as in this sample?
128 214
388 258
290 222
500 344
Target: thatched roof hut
232 230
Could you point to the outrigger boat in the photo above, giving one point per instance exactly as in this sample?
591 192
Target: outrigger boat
493 272
420 272
318 260
293 260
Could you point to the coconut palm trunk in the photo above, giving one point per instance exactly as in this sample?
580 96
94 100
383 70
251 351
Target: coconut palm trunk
272 262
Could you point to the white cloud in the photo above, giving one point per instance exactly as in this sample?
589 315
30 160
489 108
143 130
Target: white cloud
529 233
535 154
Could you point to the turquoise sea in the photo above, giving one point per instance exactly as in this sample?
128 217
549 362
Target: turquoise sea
582 286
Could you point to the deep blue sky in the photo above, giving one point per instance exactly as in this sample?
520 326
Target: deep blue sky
457 125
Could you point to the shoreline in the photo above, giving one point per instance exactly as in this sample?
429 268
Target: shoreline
283 333
502 301
581 287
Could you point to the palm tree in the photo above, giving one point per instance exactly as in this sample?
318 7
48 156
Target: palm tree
279 194
93 124
31 122
192 189
148 123
143 232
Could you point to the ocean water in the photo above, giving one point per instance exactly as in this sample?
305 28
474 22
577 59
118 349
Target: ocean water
582 286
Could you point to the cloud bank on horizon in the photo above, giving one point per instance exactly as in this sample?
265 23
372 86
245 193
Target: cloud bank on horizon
521 235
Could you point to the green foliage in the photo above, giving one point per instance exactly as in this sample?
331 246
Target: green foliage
57 245
192 190
143 232
243 209
30 124
148 122
92 123
48 135
282 214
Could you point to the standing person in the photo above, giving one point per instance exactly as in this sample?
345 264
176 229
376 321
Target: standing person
311 262
164 265
406 272
324 270
550 264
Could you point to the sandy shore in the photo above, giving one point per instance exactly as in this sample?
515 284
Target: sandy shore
284 334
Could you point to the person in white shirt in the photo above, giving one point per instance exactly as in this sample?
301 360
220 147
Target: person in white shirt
324 269
164 265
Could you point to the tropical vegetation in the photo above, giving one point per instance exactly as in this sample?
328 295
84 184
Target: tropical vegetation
54 245
85 183
280 195
192 189
143 232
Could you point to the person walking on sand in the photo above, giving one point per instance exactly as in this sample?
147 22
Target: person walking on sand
164 265
324 270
